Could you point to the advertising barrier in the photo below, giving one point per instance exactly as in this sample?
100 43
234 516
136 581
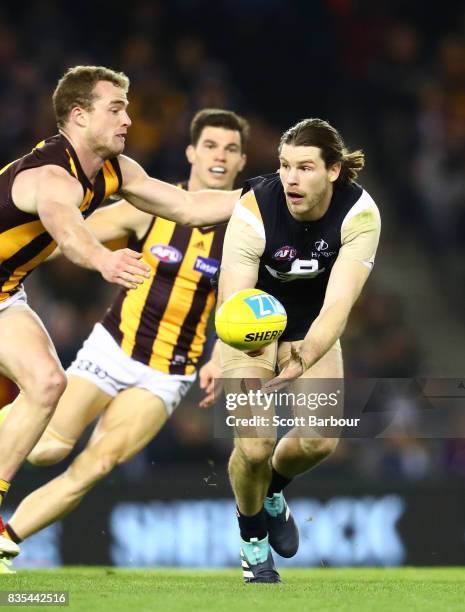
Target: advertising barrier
186 518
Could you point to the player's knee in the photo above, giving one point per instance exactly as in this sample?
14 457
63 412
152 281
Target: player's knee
54 387
106 464
46 386
318 448
91 466
256 451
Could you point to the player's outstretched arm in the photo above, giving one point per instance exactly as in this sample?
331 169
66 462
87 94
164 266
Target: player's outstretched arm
114 223
58 197
195 209
118 220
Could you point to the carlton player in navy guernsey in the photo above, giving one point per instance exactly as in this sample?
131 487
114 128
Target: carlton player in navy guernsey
141 359
307 235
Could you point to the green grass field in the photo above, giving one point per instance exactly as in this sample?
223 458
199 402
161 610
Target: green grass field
315 589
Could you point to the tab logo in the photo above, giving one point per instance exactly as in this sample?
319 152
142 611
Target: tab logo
166 253
206 266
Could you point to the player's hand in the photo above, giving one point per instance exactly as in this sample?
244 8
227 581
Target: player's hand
294 368
124 268
207 375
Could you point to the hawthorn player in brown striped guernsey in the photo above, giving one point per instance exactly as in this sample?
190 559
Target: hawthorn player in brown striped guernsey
43 199
140 360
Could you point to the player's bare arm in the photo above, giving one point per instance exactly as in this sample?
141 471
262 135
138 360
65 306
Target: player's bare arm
240 262
118 220
359 237
344 286
115 222
242 248
56 200
195 209
350 272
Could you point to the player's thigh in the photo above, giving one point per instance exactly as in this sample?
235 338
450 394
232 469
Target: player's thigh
132 419
79 405
237 364
323 380
329 366
243 376
27 354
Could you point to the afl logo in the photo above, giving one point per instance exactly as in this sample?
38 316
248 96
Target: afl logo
321 245
285 253
166 253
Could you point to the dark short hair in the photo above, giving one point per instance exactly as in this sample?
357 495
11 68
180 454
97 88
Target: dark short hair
217 117
316 132
76 88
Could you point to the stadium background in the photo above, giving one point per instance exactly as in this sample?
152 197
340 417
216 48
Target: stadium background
391 77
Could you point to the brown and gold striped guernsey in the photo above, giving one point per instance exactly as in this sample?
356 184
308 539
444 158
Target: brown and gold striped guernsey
162 323
24 242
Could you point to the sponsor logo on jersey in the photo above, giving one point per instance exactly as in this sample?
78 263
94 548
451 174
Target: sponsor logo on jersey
166 253
207 266
285 253
321 245
264 305
199 245
319 254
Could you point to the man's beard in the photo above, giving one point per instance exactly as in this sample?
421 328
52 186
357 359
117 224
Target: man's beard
318 198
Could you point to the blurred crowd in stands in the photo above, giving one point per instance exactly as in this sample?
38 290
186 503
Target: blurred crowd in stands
390 75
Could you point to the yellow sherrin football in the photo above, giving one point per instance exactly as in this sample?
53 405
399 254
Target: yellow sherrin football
250 319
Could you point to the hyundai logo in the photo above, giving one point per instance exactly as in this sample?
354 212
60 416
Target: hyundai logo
321 245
